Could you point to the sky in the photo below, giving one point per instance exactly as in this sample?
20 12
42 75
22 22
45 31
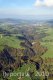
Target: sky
26 9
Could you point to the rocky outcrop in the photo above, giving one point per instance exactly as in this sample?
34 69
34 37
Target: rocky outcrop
10 56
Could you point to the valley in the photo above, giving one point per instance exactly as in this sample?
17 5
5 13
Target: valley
24 45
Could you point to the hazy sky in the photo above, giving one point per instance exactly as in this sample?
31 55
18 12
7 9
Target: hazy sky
26 8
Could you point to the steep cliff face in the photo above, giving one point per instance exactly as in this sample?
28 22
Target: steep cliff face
29 52
39 48
10 56
14 52
33 49
7 57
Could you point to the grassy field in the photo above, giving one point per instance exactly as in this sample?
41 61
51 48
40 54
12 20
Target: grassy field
11 41
48 42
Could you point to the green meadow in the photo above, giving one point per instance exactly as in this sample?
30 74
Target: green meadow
11 41
48 42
